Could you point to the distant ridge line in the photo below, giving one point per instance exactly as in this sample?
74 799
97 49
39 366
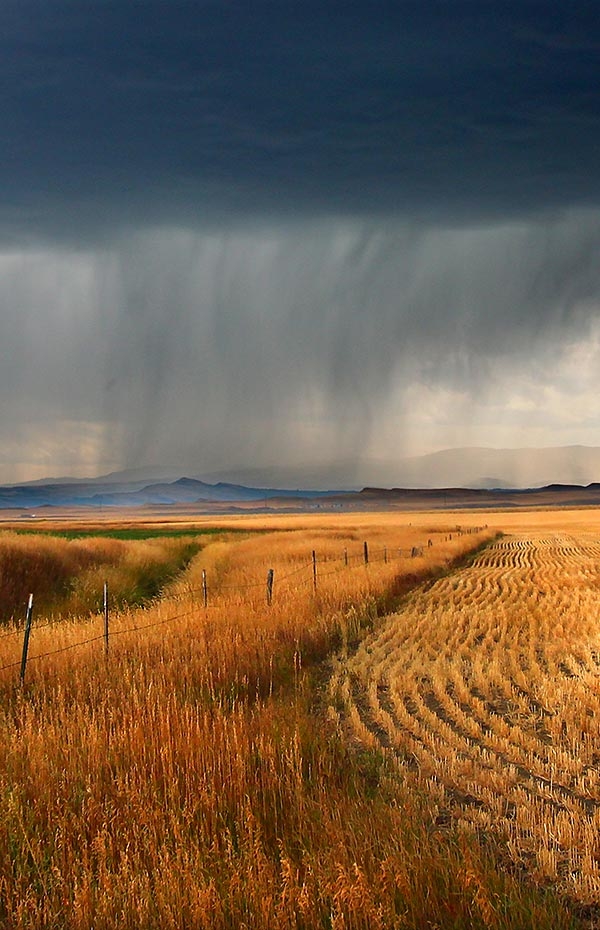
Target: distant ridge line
191 496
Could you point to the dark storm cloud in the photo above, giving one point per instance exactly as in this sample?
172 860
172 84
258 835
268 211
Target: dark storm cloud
129 113
257 233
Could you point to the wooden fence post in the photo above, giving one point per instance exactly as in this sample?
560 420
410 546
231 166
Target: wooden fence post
26 639
204 587
366 553
106 619
385 554
346 557
270 574
314 561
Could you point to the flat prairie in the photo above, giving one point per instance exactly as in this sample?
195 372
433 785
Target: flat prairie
349 721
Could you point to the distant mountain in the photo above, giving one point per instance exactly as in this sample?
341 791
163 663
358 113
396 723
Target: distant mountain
576 466
112 492
138 477
470 467
513 468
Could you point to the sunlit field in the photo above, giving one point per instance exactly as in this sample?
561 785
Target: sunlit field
486 689
66 576
398 738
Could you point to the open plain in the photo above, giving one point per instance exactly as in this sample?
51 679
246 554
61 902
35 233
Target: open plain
397 734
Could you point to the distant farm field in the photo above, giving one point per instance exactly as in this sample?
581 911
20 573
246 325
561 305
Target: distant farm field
363 721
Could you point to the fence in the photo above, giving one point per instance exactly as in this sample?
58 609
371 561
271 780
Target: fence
314 567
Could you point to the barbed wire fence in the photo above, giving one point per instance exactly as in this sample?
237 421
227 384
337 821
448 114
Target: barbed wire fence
314 566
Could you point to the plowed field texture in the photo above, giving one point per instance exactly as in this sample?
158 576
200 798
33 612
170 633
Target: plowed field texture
352 721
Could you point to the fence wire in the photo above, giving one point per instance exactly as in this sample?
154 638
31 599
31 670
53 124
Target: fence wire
386 555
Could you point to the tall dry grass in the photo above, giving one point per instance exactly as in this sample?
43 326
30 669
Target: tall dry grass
193 779
67 576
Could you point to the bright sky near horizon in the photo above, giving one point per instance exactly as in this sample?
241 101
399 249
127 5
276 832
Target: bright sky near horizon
287 234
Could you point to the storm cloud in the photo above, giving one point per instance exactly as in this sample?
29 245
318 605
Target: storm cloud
134 113
290 234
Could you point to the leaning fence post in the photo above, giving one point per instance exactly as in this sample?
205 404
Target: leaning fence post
26 638
106 618
314 561
204 587
270 574
366 553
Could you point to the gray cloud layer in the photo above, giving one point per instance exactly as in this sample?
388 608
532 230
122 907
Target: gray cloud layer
210 350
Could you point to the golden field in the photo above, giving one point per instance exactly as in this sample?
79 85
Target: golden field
66 576
412 744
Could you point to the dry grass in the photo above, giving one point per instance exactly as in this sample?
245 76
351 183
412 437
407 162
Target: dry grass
67 576
485 689
193 779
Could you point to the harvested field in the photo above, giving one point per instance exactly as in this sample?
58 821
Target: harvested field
485 688
199 773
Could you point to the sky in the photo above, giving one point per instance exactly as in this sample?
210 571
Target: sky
269 238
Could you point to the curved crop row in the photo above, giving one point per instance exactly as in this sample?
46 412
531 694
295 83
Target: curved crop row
486 688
